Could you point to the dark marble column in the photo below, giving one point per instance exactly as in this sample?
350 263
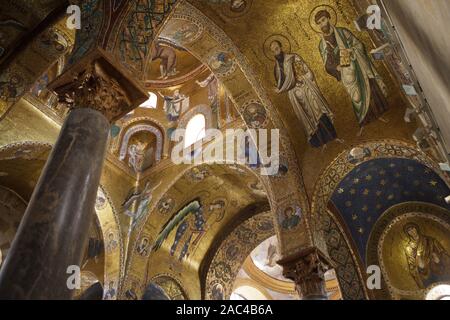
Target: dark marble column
54 230
307 269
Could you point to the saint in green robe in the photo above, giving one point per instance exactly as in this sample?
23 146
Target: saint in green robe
359 76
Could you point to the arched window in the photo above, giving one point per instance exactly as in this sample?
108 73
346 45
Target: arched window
151 102
195 130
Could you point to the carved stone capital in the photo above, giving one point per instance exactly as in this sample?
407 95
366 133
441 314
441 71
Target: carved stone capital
94 89
307 269
96 82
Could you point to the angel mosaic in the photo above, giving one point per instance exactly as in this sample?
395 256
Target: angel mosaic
190 224
136 205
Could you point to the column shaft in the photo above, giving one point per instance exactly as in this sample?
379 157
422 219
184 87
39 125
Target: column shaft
54 230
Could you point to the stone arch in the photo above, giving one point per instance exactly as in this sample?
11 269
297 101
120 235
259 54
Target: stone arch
285 190
395 215
139 127
339 243
154 292
113 242
223 269
254 284
199 109
25 71
29 150
16 156
171 286
116 142
175 177
135 273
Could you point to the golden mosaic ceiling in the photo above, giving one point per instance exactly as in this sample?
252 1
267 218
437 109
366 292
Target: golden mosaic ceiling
223 57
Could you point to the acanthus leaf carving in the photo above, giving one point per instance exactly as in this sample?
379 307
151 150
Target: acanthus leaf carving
307 269
93 88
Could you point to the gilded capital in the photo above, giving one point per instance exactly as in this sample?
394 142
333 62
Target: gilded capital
97 83
307 269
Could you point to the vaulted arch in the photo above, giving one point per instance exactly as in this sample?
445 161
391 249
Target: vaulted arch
229 65
340 238
208 185
140 127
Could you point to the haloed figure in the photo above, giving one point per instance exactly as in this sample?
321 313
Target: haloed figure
194 227
346 59
173 104
296 78
428 261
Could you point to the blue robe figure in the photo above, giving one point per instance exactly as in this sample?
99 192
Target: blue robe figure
185 222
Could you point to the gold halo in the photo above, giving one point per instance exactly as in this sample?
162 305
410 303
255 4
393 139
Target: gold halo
286 44
312 15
